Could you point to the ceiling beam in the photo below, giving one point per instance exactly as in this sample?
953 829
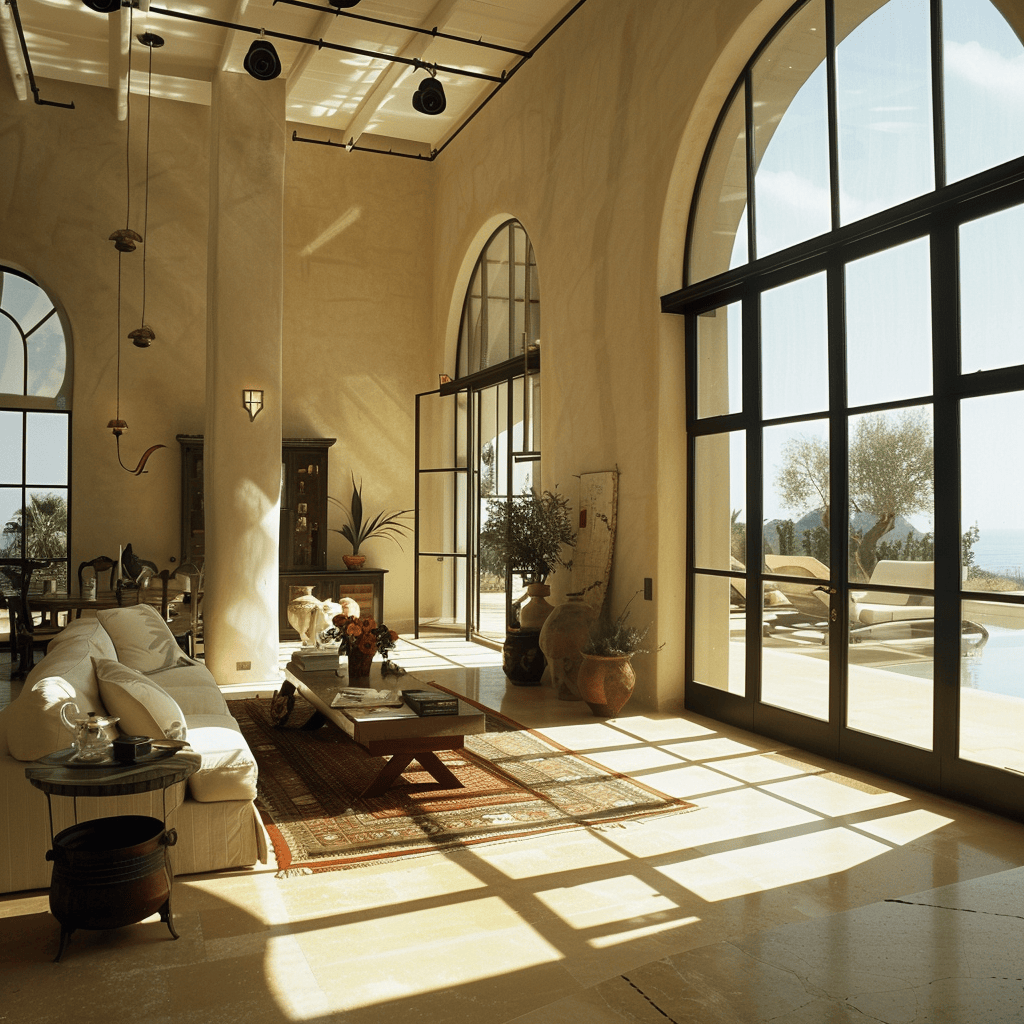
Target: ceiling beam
232 35
119 41
324 24
416 47
12 50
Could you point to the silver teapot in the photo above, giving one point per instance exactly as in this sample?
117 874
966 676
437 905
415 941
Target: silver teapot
92 734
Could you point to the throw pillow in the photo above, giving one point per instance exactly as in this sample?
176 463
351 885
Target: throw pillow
143 707
142 639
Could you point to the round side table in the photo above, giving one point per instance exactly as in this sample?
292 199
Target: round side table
113 871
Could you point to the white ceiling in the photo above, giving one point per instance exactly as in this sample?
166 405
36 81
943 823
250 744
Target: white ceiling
331 94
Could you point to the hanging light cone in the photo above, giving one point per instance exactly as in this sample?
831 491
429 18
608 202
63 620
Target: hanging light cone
124 239
142 336
118 427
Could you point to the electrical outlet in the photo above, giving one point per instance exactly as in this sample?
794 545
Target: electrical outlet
648 589
243 666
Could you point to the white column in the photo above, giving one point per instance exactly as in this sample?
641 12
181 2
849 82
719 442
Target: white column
242 469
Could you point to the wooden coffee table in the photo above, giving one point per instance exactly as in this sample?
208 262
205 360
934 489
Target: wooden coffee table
397 733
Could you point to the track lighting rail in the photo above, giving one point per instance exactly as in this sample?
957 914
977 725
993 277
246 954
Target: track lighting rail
437 34
13 4
322 44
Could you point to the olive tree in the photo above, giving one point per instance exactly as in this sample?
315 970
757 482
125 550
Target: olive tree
891 474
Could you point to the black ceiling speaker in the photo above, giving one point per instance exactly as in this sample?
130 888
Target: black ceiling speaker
262 61
429 97
103 6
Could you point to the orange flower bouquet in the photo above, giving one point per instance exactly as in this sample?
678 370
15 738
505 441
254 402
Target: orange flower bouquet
360 637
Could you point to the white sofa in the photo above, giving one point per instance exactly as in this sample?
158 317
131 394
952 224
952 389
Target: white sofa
125 662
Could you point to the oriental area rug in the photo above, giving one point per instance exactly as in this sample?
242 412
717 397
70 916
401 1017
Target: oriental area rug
516 784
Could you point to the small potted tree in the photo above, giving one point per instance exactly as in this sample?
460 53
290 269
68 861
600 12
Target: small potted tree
606 678
525 536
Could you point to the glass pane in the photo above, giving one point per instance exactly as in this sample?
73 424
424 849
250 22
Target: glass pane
46 448
719 361
720 223
892 492
11 520
719 655
791 183
24 300
719 517
794 348
534 295
883 76
794 651
983 80
519 297
46 523
992 685
12 358
497 303
888 325
10 447
992 493
991 299
796 494
891 662
47 359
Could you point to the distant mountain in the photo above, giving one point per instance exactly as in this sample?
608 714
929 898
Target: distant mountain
862 522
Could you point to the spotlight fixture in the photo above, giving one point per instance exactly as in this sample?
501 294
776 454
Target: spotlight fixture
252 399
429 97
262 61
343 4
103 6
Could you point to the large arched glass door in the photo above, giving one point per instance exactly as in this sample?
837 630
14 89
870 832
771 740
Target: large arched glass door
855 361
483 428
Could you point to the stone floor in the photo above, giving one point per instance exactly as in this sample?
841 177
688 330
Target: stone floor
799 892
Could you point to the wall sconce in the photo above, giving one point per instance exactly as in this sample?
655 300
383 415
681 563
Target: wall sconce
253 402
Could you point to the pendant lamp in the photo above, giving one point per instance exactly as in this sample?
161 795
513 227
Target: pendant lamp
125 241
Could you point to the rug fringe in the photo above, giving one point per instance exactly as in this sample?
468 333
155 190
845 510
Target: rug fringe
292 872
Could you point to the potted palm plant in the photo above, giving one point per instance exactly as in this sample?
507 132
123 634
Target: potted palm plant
360 527
525 536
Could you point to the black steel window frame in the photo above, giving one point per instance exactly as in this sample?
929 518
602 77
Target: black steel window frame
937 216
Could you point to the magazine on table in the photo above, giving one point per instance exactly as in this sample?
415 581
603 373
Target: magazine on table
362 697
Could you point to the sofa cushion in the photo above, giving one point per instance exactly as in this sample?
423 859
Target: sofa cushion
194 688
142 639
34 728
227 770
143 707
66 674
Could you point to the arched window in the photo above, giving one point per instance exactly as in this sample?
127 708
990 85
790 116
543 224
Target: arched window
499 374
856 378
487 421
35 424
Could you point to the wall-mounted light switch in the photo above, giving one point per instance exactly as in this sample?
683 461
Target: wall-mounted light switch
648 589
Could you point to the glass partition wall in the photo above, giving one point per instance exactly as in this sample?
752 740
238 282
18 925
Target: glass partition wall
855 361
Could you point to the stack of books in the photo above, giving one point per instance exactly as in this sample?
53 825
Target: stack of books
431 702
313 659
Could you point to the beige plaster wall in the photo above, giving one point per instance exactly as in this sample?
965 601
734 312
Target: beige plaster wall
358 309
61 194
595 147
358 315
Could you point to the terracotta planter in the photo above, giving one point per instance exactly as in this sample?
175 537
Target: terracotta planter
533 614
353 561
605 683
521 657
563 634
359 663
